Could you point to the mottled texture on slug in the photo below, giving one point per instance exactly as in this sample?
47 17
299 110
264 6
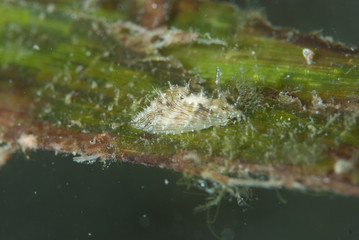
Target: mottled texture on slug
177 110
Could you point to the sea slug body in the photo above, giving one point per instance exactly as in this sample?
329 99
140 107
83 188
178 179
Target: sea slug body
177 110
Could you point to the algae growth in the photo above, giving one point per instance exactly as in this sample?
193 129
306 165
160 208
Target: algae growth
82 73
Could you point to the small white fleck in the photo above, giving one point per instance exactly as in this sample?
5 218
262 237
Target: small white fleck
68 98
90 234
94 85
289 119
36 47
27 141
35 192
166 181
88 53
50 8
317 101
79 68
108 85
154 5
144 221
308 55
343 167
93 141
115 125
106 54
87 158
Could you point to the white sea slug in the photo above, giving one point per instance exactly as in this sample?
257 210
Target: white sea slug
177 110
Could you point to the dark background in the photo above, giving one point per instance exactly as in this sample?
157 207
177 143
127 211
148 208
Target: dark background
335 18
52 197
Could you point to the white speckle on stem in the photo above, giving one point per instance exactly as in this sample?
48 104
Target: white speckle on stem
36 47
343 166
308 55
28 141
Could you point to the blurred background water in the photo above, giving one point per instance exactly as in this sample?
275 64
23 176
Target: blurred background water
51 197
337 19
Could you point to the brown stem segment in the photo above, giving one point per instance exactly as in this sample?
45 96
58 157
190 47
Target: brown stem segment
19 130
155 12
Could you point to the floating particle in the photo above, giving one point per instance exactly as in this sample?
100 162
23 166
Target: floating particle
308 55
87 159
50 8
36 47
317 102
178 110
287 98
144 221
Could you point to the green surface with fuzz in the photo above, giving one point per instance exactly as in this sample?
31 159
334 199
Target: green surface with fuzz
79 77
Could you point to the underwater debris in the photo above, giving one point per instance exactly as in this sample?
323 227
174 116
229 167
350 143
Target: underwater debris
147 41
88 159
317 102
27 141
288 99
142 40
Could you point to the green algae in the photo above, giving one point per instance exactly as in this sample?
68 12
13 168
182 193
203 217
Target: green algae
79 77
